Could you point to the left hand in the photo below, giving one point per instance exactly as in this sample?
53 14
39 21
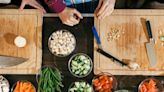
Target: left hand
32 3
104 8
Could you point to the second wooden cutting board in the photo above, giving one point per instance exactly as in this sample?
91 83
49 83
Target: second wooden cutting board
130 25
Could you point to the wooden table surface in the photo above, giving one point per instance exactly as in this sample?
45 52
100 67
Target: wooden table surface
83 35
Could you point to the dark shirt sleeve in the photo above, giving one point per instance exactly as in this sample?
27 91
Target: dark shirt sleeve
56 5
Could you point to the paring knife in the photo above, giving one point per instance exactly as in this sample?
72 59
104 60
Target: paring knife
150 46
100 49
6 61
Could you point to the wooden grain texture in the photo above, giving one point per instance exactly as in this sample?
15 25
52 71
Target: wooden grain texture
27 23
131 44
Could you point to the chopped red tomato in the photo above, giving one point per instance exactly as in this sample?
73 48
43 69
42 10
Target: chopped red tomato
103 83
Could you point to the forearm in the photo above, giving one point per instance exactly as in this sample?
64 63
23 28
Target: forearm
56 5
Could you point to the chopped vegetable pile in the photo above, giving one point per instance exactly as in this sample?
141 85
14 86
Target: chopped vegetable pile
149 86
62 43
80 87
80 65
103 83
24 86
4 84
50 80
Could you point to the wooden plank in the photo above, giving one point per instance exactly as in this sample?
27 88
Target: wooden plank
29 25
131 44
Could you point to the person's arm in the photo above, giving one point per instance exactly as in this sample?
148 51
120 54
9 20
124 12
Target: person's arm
55 5
68 16
104 8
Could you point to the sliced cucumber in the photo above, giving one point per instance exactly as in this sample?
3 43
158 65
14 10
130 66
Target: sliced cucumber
80 65
81 87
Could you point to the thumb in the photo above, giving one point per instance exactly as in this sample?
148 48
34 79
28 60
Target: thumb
22 5
78 14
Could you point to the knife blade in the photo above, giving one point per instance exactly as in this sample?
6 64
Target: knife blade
150 46
7 61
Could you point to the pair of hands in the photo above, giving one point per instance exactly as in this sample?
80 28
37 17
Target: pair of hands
71 16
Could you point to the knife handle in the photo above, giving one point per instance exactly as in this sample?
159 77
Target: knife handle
96 35
148 26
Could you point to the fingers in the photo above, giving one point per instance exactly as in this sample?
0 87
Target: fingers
77 13
106 12
103 7
36 5
70 16
99 5
22 5
106 8
32 3
72 21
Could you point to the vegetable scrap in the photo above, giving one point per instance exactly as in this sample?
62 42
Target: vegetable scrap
24 86
50 80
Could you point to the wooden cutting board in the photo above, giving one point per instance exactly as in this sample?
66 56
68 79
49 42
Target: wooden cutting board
131 43
27 23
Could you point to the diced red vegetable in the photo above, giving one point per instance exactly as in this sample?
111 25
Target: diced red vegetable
149 86
103 83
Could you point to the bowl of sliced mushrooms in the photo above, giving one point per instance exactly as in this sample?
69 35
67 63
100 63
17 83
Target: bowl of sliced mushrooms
4 84
61 43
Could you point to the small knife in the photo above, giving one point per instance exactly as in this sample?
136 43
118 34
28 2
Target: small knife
100 49
150 46
110 56
6 61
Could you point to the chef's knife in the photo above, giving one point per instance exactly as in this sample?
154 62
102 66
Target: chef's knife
150 46
6 61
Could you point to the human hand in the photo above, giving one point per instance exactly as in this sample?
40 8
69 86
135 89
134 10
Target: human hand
70 16
32 3
104 8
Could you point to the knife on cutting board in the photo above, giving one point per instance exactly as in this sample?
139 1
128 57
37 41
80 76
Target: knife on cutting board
7 61
101 51
150 46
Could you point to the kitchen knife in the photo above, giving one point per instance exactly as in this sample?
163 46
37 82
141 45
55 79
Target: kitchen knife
110 56
6 61
150 46
100 49
97 37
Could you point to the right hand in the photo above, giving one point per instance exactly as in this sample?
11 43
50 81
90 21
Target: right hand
70 16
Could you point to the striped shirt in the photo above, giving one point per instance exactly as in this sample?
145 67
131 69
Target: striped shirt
59 5
71 2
